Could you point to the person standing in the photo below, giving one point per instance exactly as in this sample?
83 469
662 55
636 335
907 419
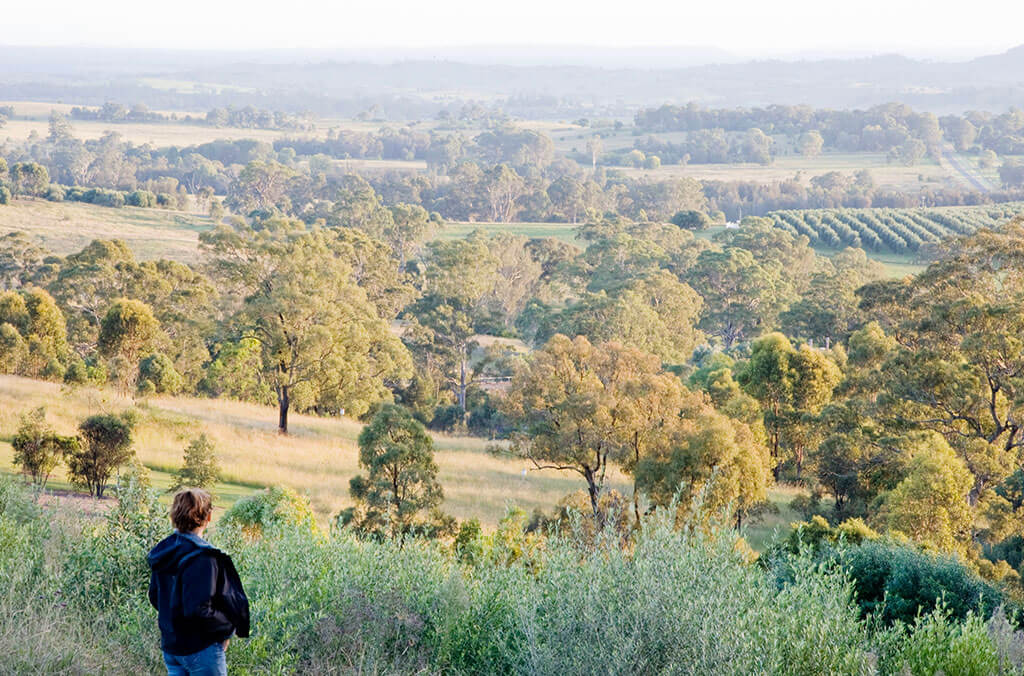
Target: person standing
196 591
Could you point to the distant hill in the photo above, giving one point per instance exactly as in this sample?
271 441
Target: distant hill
549 82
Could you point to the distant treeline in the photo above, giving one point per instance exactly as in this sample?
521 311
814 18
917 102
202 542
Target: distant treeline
499 174
246 117
884 128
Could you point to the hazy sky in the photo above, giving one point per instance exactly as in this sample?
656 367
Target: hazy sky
748 27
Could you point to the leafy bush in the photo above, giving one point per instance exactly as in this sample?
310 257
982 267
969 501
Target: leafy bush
141 198
894 582
157 375
675 600
937 644
200 469
447 418
38 449
43 626
274 507
900 583
80 372
107 444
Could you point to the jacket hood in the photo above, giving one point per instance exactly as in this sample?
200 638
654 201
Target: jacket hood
173 548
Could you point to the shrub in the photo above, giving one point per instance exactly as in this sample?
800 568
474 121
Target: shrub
275 507
141 198
38 449
691 220
900 583
200 469
107 444
447 418
937 644
5 194
55 193
157 375
80 372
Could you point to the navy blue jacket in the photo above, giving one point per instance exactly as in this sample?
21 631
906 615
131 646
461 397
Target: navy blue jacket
197 593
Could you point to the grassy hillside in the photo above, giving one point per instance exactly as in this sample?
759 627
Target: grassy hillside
317 459
65 227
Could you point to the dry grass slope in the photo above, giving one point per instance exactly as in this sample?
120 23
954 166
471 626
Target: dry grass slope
66 227
317 459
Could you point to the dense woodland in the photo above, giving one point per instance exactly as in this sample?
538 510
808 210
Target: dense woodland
501 174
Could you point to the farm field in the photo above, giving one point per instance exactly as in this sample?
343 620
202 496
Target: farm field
561 231
155 133
898 231
66 227
927 173
567 138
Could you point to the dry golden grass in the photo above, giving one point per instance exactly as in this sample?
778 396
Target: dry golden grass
159 134
65 227
318 458
364 165
894 176
41 110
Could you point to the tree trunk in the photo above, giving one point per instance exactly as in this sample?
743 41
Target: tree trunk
282 407
636 505
593 490
636 463
462 381
775 455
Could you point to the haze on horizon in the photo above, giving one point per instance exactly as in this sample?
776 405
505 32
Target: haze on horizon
943 29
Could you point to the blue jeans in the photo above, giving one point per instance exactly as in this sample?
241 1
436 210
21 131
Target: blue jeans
208 662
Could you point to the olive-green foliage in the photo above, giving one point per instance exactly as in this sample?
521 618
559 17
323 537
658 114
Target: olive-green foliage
128 331
321 341
81 372
677 601
272 507
33 337
235 373
106 445
38 449
200 469
401 481
938 644
74 598
158 376
894 582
